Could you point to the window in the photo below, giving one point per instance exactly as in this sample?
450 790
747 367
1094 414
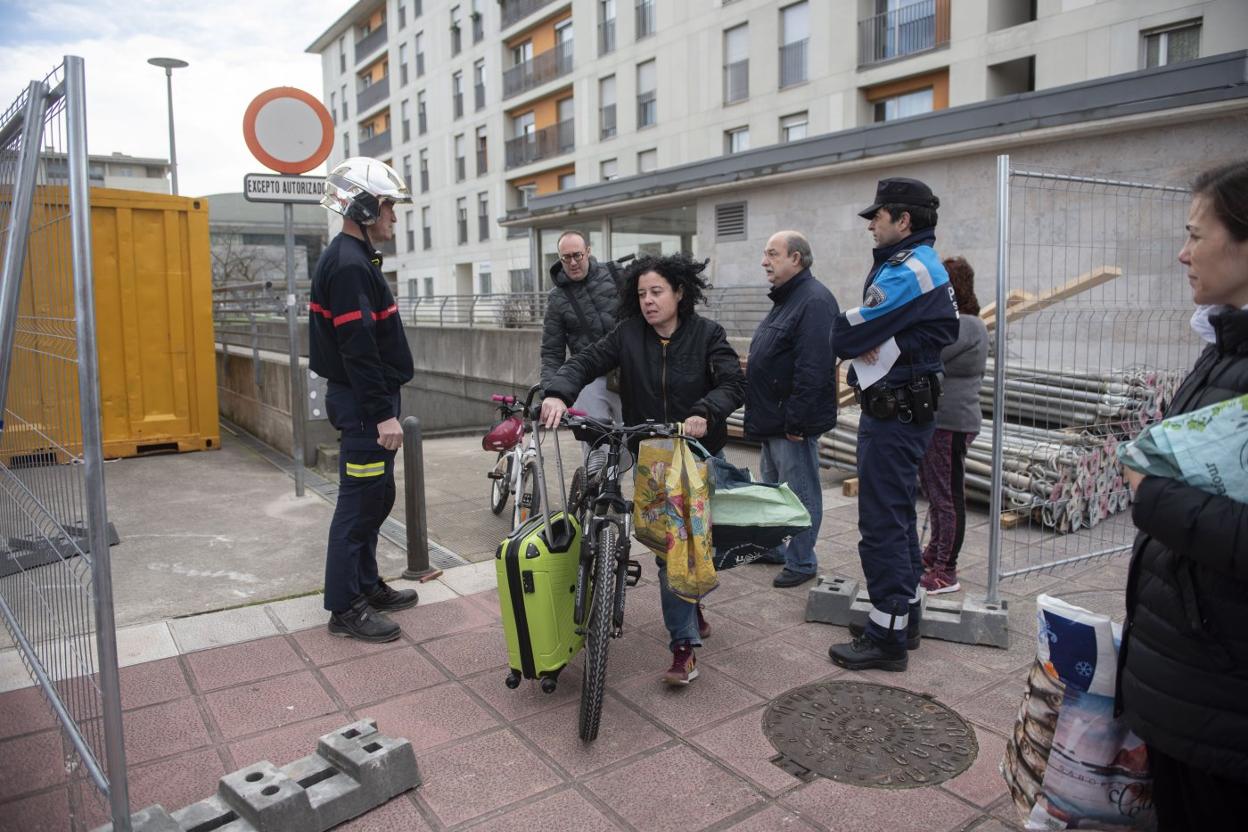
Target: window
420 54
428 287
409 229
525 193
346 144
424 171
402 64
407 169
645 18
567 181
478 83
521 279
606 107
794 38
608 169
344 103
461 164
647 105
333 106
405 123
484 279
426 232
647 160
606 26
737 64
904 104
342 54
478 22
422 114
457 42
483 216
736 140
1172 44
794 127
483 156
402 14
522 53
461 218
457 94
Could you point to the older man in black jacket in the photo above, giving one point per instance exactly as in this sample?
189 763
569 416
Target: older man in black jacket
790 397
581 308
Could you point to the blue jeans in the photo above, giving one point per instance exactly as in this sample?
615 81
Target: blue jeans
679 615
797 463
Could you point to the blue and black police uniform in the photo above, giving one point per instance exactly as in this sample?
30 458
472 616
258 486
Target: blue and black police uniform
907 297
357 343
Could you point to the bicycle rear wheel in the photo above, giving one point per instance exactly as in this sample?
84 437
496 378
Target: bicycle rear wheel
500 484
598 634
529 499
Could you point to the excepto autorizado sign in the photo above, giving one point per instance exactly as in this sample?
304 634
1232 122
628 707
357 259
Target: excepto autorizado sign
267 187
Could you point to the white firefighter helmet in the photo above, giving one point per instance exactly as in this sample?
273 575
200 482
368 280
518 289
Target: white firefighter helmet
356 187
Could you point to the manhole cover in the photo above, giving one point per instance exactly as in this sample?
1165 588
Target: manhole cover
868 735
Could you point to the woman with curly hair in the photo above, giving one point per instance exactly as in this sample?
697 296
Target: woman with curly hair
942 473
674 366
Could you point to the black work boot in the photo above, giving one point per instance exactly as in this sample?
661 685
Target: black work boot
914 636
385 599
362 622
865 653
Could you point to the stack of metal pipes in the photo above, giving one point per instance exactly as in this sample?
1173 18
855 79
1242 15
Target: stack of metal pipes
1059 461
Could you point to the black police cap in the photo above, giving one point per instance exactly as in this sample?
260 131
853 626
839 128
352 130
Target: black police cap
901 191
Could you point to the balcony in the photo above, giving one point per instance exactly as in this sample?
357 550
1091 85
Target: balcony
543 144
370 43
376 146
736 81
907 30
645 19
372 95
514 10
606 37
541 68
793 63
606 121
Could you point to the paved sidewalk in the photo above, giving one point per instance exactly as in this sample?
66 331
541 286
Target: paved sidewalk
208 694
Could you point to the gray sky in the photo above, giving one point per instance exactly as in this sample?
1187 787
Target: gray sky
236 50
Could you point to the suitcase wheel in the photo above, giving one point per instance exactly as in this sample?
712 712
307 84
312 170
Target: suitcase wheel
549 683
513 680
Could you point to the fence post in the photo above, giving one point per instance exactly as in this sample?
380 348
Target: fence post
998 381
418 568
297 399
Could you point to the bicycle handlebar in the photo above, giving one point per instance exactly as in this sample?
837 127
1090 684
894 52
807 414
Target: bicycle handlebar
499 397
667 430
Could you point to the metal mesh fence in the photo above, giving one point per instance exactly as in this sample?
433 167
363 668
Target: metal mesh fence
1096 342
55 589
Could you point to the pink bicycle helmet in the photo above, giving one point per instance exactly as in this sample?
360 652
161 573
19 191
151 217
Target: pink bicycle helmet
504 435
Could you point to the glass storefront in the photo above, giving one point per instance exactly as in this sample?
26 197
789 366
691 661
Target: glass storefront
660 231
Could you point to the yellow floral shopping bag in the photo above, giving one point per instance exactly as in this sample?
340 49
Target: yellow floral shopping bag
671 514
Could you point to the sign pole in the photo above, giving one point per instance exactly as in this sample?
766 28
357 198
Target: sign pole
292 328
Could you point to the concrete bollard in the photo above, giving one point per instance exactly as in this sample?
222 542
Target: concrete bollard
418 568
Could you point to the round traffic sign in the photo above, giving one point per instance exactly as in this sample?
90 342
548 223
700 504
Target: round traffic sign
288 130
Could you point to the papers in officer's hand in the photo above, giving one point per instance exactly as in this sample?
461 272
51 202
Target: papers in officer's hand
869 374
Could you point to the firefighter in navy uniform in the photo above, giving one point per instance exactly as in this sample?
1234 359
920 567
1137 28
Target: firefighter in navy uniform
356 342
907 301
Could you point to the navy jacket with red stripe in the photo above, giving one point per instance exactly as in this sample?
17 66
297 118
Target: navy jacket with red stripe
355 335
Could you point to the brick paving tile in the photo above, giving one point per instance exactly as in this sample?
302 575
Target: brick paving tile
563 811
47 812
398 813
741 745
258 706
382 675
528 698
24 711
152 682
982 783
995 708
468 653
286 744
621 733
710 697
432 716
422 623
771 666
164 729
772 819
223 667
769 612
856 809
466 779
676 789
324 649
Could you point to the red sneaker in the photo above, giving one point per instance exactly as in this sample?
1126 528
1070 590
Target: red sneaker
938 582
684 667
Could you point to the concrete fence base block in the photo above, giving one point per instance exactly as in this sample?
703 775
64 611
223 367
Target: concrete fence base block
354 769
836 600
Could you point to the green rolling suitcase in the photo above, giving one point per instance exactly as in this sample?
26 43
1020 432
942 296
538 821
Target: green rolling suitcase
536 566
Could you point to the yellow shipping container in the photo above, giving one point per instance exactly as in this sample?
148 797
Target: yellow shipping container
153 323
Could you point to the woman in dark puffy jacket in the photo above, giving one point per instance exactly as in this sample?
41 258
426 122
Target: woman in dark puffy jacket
674 366
1183 680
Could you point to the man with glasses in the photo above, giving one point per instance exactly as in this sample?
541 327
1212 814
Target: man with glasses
581 309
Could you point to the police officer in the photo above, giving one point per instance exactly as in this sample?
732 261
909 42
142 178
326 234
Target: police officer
907 316
357 343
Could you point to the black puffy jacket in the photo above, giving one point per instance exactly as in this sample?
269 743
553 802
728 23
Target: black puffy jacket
1183 667
697 373
562 333
792 370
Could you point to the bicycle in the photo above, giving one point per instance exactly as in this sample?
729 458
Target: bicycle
605 569
515 471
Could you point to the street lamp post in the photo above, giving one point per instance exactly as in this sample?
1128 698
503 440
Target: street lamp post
169 65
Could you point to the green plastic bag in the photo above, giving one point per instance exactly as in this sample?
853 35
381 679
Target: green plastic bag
749 519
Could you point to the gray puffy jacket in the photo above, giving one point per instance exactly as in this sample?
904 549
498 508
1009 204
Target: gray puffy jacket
562 334
964 362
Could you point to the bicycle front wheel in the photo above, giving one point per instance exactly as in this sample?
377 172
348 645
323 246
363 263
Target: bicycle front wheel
500 485
528 500
598 634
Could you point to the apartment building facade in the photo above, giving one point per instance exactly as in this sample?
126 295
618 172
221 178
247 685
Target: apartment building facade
490 106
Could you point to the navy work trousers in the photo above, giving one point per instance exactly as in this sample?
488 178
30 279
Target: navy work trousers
366 494
889 453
